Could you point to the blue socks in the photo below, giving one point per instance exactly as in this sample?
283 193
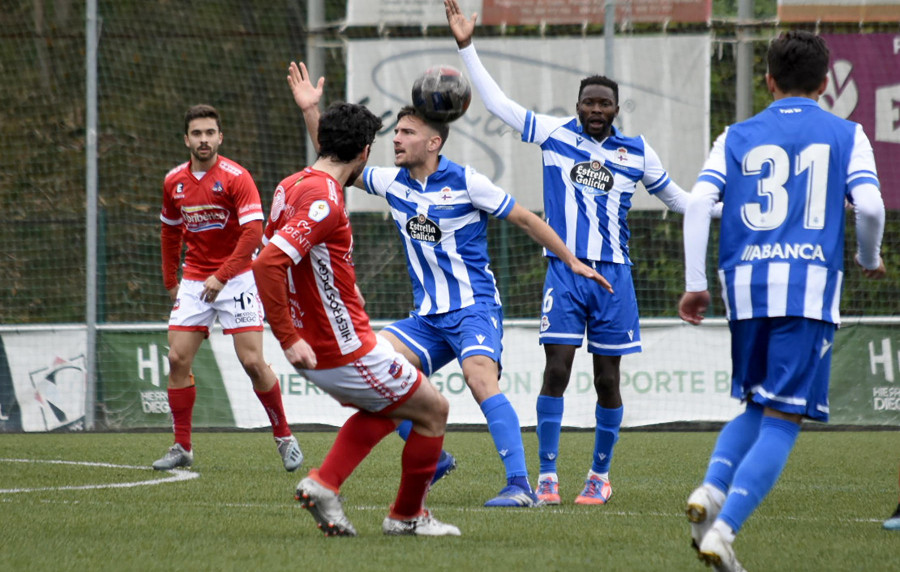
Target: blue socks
735 439
549 421
759 470
605 436
404 428
503 424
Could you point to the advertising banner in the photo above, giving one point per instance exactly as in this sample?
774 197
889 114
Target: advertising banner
535 12
864 86
524 12
856 11
683 375
47 378
865 376
663 94
403 12
133 372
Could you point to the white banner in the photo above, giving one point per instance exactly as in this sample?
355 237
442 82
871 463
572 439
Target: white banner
663 94
47 371
683 374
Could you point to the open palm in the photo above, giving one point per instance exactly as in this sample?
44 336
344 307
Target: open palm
462 27
306 95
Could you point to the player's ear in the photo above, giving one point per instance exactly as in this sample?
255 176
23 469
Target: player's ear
770 83
823 87
187 142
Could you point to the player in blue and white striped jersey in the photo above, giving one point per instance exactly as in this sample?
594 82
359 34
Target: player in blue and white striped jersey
440 209
591 172
784 177
443 226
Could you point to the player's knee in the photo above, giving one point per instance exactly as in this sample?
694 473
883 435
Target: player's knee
442 409
254 366
434 422
482 387
556 379
607 385
178 362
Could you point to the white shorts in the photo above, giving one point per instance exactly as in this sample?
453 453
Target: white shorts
378 382
237 307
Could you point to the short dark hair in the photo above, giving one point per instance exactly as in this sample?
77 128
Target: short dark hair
600 80
798 61
201 111
443 129
345 129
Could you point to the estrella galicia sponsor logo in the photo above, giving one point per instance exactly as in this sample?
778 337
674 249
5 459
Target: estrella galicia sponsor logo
592 176
204 217
422 229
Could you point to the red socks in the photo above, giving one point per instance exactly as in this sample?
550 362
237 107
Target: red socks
354 441
181 403
272 403
420 457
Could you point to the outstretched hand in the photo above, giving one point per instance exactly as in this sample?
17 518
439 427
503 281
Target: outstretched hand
462 27
306 95
692 306
582 269
874 273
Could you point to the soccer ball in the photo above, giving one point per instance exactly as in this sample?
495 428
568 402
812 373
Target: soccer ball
441 94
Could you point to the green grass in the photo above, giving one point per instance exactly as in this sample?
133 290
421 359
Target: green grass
825 513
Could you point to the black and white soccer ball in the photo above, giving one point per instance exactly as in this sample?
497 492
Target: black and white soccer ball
441 94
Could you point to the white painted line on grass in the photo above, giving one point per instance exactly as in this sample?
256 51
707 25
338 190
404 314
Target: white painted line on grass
175 475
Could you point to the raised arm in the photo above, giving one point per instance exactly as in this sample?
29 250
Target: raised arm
493 97
307 97
541 233
868 207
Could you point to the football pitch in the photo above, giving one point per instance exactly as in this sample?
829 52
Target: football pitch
90 502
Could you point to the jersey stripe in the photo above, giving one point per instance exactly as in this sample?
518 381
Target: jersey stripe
332 304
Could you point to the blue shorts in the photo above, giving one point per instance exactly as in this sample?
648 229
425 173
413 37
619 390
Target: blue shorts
783 363
440 338
573 303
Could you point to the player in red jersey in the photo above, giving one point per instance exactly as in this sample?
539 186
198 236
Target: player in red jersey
211 204
308 286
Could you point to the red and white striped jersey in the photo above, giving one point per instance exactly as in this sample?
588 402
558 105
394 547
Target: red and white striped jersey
309 223
211 211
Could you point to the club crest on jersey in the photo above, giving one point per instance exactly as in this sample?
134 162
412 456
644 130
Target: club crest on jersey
446 194
277 204
592 176
396 369
319 210
545 323
622 154
421 229
218 188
